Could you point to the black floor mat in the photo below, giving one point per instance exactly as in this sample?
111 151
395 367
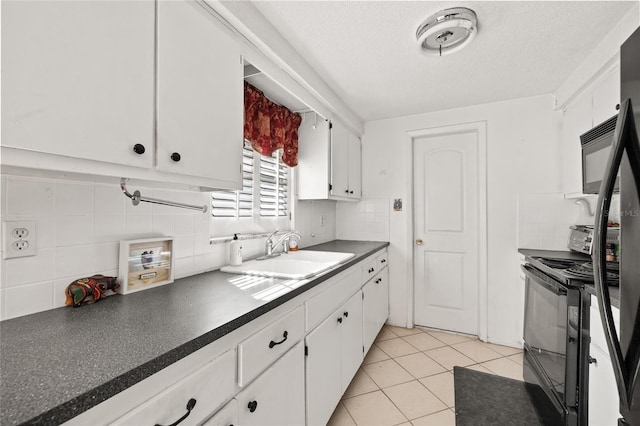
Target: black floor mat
485 399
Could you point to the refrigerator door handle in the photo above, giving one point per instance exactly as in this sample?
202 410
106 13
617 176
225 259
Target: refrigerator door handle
625 138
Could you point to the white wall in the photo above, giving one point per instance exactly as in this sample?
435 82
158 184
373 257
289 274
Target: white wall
522 157
79 226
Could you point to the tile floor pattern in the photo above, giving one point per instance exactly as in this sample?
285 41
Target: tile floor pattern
407 377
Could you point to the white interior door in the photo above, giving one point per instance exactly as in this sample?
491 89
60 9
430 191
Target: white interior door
446 212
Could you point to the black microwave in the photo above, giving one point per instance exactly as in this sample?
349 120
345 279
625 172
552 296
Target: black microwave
596 147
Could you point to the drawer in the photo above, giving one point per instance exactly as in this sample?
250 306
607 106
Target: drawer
382 260
210 386
321 305
259 351
370 269
227 416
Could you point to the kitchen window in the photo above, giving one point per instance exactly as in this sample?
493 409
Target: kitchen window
262 205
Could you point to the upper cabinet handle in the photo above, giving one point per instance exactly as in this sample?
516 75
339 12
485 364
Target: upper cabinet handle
138 149
176 157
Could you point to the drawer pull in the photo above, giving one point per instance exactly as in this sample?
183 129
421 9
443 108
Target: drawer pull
592 360
346 314
340 320
383 261
371 270
272 343
379 280
252 406
190 405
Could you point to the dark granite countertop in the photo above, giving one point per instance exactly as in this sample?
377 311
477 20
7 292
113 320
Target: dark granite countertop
614 291
57 364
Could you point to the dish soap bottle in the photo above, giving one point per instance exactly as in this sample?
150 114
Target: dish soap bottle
235 251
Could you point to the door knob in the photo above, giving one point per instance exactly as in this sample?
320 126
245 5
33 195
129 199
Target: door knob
419 241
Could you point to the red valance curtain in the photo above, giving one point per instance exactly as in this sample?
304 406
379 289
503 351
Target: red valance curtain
269 126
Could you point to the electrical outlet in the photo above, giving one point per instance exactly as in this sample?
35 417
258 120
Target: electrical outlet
18 238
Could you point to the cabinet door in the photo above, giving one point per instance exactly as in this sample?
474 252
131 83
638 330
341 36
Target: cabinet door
77 79
339 160
351 334
200 95
313 158
606 96
227 416
375 307
577 120
277 396
355 167
323 363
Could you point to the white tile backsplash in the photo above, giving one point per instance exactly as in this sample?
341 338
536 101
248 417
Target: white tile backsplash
80 225
27 299
366 220
544 220
31 269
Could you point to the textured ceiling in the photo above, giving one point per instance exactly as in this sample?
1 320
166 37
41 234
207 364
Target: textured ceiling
366 50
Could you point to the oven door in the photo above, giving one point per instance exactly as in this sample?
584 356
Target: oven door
552 336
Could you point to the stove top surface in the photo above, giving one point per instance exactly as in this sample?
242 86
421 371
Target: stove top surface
568 270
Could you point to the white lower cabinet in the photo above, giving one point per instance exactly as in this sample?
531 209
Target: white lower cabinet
227 416
334 353
375 307
276 397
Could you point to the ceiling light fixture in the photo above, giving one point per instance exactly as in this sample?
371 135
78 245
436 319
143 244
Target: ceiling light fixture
447 31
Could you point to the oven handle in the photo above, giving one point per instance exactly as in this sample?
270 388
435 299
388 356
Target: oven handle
550 285
625 370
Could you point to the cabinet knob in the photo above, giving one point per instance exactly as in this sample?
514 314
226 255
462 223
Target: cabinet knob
346 191
350 192
175 157
617 107
252 406
340 320
138 149
592 360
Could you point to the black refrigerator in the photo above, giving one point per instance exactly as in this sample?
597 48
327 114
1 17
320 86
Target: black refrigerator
624 344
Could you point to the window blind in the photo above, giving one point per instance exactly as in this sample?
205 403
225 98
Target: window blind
273 186
226 203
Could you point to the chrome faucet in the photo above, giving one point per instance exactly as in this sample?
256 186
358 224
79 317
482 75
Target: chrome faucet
270 245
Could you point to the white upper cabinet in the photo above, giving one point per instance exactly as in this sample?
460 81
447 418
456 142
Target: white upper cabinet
339 160
77 79
596 104
355 167
200 95
329 161
96 87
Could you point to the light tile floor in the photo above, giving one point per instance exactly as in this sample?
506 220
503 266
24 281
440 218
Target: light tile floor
407 377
